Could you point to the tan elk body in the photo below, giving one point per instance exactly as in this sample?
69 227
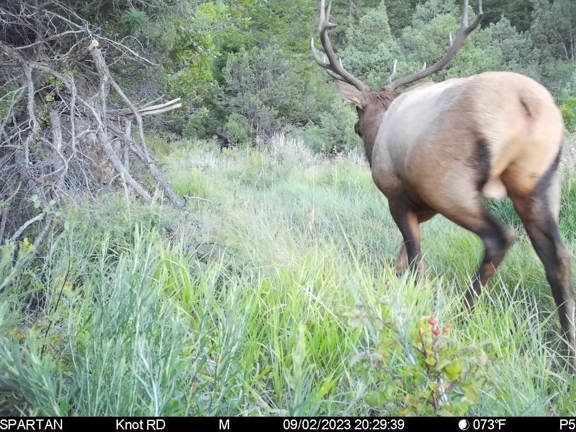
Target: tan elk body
429 140
446 147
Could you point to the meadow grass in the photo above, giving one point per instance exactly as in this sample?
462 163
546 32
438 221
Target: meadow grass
284 302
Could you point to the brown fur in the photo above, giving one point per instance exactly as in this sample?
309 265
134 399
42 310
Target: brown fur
444 148
370 116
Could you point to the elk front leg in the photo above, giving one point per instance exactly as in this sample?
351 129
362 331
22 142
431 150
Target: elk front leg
495 236
402 260
408 223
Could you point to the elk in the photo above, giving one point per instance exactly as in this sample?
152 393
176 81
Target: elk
447 147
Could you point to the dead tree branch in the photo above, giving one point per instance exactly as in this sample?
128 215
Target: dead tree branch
63 131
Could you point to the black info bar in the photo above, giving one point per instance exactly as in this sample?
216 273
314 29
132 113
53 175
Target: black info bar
284 424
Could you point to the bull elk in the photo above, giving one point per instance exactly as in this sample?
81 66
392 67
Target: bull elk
446 147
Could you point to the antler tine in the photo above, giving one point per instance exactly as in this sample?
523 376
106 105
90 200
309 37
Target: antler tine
334 65
322 16
323 63
455 45
393 74
470 28
328 12
320 60
464 22
325 17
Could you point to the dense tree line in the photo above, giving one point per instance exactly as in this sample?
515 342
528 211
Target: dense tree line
244 71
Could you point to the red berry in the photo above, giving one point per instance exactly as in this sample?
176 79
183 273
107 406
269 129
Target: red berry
446 329
433 321
436 331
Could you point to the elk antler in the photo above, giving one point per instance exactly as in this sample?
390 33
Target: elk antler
455 46
334 65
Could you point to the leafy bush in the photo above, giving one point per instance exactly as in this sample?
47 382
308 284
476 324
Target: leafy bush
334 133
270 90
440 377
133 21
371 48
568 109
238 129
498 46
426 39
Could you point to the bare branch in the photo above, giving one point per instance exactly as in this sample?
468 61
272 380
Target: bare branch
5 210
104 72
150 109
25 225
51 66
114 159
123 47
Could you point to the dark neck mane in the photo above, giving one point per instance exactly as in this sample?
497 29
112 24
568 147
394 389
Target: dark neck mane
384 98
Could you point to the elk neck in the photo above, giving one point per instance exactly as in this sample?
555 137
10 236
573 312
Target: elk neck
370 116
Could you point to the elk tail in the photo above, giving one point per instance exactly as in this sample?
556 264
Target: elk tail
530 103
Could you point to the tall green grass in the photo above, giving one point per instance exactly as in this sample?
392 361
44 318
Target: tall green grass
284 303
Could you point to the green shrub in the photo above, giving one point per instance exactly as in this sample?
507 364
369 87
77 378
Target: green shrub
334 132
273 91
568 109
567 213
371 48
133 21
238 130
441 376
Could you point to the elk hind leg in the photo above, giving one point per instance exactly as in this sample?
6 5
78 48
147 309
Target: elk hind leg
539 213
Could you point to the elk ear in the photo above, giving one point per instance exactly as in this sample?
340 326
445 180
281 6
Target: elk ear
350 93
